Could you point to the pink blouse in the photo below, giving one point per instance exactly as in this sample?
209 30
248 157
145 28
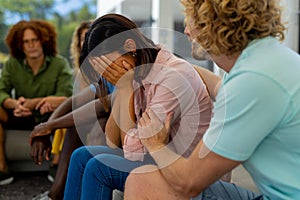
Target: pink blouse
171 85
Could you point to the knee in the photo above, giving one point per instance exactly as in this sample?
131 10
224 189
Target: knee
131 181
98 170
132 186
94 170
95 167
79 152
79 155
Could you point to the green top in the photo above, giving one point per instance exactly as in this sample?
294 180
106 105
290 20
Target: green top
54 78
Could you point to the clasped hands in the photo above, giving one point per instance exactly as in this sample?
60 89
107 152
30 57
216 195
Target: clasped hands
23 107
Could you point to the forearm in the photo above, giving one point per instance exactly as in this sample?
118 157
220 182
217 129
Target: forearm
171 166
112 132
10 103
62 109
81 116
122 118
126 110
31 103
83 97
211 80
179 172
73 102
56 101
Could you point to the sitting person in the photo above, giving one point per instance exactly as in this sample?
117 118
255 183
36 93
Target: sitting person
256 118
35 72
155 78
62 117
75 49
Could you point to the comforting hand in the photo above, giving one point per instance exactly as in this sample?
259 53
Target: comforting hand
40 130
153 133
40 148
111 71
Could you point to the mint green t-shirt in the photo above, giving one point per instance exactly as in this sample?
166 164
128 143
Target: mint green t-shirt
257 117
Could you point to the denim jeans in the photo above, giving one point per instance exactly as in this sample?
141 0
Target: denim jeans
95 171
221 190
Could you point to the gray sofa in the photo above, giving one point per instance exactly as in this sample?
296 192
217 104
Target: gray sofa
17 152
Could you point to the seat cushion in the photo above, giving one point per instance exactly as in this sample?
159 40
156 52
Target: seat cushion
17 151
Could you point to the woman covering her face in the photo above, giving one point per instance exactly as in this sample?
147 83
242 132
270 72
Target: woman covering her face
147 76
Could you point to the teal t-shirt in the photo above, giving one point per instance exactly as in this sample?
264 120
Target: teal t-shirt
257 117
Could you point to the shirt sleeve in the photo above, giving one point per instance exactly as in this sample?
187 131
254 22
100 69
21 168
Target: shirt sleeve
248 107
5 83
65 79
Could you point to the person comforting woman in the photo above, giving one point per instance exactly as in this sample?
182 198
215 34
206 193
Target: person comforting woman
155 78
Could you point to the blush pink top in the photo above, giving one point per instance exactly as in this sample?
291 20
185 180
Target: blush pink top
171 85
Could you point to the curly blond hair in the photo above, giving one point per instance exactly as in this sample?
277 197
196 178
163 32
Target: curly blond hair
75 47
227 26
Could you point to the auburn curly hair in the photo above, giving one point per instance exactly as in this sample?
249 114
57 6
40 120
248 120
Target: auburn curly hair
45 32
227 26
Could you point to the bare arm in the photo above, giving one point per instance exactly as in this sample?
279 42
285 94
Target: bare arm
177 169
82 115
122 117
211 80
49 104
75 101
10 103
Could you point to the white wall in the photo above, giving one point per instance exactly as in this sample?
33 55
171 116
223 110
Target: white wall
290 15
104 6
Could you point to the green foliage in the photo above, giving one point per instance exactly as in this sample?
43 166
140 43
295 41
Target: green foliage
3 29
44 9
28 9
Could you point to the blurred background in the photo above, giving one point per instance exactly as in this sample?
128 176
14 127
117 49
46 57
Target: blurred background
166 14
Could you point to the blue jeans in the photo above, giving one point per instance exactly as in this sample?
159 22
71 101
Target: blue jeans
95 171
221 190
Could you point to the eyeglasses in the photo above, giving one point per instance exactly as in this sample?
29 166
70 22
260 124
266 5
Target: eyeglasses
31 41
